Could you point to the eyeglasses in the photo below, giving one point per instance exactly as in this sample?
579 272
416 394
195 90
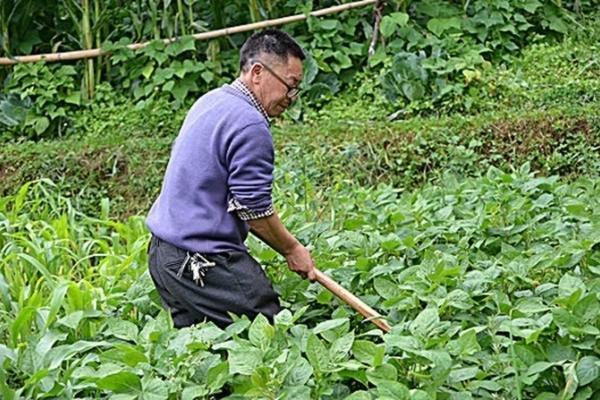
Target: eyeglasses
293 91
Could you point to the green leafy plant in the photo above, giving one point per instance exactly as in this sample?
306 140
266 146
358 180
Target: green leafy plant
432 56
51 91
440 51
489 284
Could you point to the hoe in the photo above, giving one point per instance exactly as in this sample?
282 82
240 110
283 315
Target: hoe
352 301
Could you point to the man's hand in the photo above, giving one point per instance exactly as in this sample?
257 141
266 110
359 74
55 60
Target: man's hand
271 231
300 261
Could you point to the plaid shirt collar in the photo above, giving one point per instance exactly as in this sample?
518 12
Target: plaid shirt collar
245 90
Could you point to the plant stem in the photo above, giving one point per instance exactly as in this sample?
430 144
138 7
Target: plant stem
98 39
4 29
180 17
254 11
191 12
86 33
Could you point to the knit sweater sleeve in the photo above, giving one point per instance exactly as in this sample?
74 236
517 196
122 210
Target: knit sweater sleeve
249 160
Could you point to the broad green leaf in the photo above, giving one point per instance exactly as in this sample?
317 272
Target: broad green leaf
261 332
58 354
359 395
442 362
121 382
558 353
569 284
328 325
419 395
386 288
126 354
368 352
73 320
531 5
194 392
73 98
108 368
577 210
154 389
462 374
125 396
207 76
300 373
459 299
588 370
217 376
440 25
385 372
317 353
40 124
486 384
465 345
341 346
394 390
121 329
531 305
558 24
260 381
295 393
534 370
413 90
244 360
343 60
210 333
399 18
328 24
47 342
587 309
6 353
284 318
425 322
388 26
148 69
406 343
564 319
186 43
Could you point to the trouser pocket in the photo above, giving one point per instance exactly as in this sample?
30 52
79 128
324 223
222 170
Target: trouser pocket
235 284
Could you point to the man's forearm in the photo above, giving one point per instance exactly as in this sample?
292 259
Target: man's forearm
272 231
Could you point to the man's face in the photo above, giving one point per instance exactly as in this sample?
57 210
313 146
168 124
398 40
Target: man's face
275 79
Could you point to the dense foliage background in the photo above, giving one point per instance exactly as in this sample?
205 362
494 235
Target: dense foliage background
433 56
451 181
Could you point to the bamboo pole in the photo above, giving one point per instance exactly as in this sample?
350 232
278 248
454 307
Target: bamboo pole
352 301
79 54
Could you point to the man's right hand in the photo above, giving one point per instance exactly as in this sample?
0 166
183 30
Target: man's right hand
271 231
300 261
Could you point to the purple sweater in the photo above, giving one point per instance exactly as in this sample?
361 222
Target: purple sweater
223 153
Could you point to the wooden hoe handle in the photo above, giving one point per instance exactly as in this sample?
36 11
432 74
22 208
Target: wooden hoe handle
352 301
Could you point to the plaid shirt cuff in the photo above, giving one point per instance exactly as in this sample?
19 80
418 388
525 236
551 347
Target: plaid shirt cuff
245 214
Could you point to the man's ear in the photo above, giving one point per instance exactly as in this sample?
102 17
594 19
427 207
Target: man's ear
256 72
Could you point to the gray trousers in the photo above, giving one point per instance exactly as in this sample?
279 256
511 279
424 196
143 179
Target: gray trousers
235 284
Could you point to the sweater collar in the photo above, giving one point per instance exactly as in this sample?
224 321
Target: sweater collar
245 90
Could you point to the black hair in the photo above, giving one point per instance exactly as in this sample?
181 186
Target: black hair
269 41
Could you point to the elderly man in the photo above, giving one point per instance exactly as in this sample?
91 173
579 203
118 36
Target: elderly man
217 187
